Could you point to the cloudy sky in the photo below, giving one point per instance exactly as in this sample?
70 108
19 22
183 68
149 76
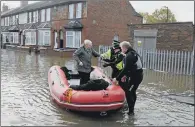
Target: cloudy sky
183 10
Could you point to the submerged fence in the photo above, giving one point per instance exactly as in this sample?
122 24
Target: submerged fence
177 62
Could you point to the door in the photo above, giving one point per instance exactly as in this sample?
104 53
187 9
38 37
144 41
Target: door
55 40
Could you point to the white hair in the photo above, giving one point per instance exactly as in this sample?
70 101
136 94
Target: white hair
87 42
125 44
94 76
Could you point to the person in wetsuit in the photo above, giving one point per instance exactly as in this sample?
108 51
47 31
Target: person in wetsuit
131 75
114 58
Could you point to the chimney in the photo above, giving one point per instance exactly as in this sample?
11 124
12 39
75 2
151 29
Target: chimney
5 7
23 3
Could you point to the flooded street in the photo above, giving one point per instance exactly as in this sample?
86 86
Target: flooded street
163 99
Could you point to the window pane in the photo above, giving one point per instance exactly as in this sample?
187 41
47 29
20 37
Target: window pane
79 10
23 18
69 33
43 15
71 11
47 38
48 14
77 39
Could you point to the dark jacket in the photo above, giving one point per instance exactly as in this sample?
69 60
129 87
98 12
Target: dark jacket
98 84
83 55
132 63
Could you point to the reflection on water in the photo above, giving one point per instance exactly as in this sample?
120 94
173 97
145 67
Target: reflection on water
26 98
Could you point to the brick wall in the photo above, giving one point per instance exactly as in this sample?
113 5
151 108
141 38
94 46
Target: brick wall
60 19
105 18
171 36
102 19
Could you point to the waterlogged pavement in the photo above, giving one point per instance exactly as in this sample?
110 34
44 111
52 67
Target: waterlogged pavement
25 97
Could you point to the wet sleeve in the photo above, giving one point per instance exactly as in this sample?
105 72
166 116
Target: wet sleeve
76 54
95 54
127 64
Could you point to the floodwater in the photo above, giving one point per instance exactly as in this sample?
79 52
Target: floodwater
163 99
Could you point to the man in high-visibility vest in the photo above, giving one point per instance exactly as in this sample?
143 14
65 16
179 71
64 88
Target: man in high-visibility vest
114 58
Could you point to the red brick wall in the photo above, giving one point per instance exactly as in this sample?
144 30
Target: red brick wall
107 18
171 36
102 19
60 19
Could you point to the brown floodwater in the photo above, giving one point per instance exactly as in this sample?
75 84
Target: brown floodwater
163 99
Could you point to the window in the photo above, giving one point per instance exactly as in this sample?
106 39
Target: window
11 20
44 37
43 15
35 16
6 21
71 11
116 38
23 18
79 10
48 16
5 37
30 38
30 17
14 20
17 19
73 39
15 37
3 22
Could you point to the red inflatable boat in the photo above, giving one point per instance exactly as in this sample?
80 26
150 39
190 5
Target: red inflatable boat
103 100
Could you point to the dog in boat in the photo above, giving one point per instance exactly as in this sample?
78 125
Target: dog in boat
95 83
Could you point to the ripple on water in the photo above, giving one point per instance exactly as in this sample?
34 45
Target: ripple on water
26 98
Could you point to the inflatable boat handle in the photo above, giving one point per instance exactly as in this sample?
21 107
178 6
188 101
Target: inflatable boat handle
103 113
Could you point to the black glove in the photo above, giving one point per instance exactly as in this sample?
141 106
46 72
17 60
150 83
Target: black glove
105 65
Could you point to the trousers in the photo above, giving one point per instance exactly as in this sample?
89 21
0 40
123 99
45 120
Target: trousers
84 77
130 86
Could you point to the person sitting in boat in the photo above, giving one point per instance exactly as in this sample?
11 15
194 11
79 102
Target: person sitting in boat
95 83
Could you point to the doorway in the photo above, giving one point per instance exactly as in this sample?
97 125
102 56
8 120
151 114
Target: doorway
55 40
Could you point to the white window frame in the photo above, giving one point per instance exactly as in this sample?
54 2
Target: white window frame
15 37
30 38
35 16
74 39
14 20
24 16
79 10
48 14
30 17
43 38
71 11
2 21
17 19
43 15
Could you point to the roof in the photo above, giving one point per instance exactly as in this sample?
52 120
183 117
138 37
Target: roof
135 12
44 25
74 24
37 5
161 23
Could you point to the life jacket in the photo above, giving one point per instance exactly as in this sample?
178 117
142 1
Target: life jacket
110 54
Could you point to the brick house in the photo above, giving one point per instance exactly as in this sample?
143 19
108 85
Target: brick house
97 20
66 23
165 36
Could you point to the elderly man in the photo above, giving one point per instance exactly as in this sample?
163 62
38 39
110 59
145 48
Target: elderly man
83 57
131 75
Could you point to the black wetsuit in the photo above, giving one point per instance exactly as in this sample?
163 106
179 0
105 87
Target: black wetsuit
130 77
